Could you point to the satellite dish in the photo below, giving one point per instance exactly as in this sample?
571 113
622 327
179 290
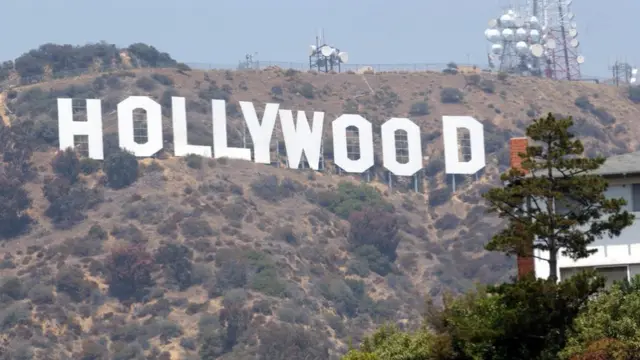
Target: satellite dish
312 50
493 23
573 32
519 22
534 35
537 50
632 80
574 24
507 34
574 43
570 16
506 20
550 44
534 22
326 51
634 72
569 2
580 59
343 56
496 49
521 34
522 47
493 35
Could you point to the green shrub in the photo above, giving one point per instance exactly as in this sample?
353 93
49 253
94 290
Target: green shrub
451 96
121 168
349 197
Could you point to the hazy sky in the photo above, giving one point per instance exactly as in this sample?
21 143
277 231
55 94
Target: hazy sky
372 31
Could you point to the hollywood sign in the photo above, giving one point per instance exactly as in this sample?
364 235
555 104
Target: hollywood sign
299 136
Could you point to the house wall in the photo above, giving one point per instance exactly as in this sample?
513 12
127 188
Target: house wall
624 249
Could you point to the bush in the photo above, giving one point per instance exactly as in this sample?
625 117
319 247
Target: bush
14 202
270 188
146 84
68 202
66 165
419 109
129 272
70 280
583 103
350 197
374 259
41 294
89 166
451 96
376 228
439 197
162 79
194 161
121 168
294 342
175 259
488 86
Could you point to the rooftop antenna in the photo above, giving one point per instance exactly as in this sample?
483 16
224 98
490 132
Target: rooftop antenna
250 62
623 73
324 57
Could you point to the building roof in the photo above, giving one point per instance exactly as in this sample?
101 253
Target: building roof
618 165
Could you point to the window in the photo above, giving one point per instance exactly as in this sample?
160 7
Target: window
566 205
611 274
635 197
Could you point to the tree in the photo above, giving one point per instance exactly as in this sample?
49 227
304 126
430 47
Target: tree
129 272
67 165
555 198
610 323
14 202
376 227
525 320
121 168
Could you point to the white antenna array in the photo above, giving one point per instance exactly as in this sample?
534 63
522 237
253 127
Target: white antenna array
524 44
324 57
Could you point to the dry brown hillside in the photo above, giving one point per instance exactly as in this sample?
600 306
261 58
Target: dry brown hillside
272 262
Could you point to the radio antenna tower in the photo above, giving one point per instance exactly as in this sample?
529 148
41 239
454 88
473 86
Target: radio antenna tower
324 57
560 40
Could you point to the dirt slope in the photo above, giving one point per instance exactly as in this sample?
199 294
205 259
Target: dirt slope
330 292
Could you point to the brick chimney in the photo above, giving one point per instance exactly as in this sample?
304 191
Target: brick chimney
516 146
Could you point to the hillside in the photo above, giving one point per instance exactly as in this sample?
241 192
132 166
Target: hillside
255 259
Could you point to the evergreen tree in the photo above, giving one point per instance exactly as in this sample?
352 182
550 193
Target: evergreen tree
555 199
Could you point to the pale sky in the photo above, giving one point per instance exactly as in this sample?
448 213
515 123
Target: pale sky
371 31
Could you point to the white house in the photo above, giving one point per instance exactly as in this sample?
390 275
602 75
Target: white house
616 258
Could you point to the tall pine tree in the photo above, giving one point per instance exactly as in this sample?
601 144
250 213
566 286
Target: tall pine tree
556 201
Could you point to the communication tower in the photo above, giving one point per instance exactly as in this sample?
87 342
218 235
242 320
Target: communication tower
623 73
560 32
326 58
539 41
515 43
250 62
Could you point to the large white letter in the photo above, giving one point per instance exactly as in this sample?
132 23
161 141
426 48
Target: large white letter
365 135
450 126
298 137
261 132
180 143
154 125
389 151
92 128
220 148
